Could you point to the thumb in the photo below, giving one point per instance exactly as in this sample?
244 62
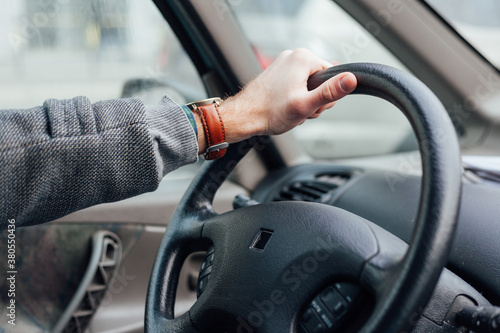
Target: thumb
332 90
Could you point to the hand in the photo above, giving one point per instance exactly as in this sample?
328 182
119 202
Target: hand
278 100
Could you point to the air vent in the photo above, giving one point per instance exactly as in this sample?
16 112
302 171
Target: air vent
333 178
321 189
312 191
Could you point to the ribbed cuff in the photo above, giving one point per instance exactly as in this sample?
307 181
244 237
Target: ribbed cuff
191 119
174 138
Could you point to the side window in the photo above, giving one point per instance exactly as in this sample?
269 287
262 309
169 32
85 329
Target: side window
356 126
103 49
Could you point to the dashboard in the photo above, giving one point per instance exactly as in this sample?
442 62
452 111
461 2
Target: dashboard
390 199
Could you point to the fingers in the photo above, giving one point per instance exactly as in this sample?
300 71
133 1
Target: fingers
280 96
326 107
315 63
332 90
321 109
284 54
305 59
323 65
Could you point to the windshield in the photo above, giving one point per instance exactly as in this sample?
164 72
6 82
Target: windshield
477 21
357 126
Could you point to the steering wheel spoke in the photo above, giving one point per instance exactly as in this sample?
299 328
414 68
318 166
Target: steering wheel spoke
380 270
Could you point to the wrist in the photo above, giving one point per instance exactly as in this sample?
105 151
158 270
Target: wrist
202 141
239 120
191 118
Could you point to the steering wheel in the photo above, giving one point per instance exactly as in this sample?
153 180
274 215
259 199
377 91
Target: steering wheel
271 260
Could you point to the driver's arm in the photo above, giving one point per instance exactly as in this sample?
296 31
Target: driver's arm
71 154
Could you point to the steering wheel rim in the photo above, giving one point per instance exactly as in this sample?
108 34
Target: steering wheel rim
412 277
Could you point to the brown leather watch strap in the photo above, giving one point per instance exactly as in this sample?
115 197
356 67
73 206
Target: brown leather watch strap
214 131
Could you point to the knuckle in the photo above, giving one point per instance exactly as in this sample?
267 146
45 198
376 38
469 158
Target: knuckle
301 54
328 93
302 51
285 53
297 104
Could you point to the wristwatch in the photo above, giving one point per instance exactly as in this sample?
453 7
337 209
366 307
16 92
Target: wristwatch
212 126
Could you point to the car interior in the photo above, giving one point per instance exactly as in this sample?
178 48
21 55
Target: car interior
383 217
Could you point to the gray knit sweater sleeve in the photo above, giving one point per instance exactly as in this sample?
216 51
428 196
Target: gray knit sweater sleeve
172 151
70 154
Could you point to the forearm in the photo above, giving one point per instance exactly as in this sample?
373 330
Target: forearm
68 155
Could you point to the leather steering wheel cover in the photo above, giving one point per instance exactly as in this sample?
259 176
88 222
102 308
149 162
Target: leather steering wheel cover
435 224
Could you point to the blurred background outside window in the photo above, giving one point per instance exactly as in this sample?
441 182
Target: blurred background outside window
102 49
67 48
108 49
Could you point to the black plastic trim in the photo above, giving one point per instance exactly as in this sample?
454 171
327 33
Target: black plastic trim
273 183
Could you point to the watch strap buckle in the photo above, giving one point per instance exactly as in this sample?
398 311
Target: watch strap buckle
215 149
